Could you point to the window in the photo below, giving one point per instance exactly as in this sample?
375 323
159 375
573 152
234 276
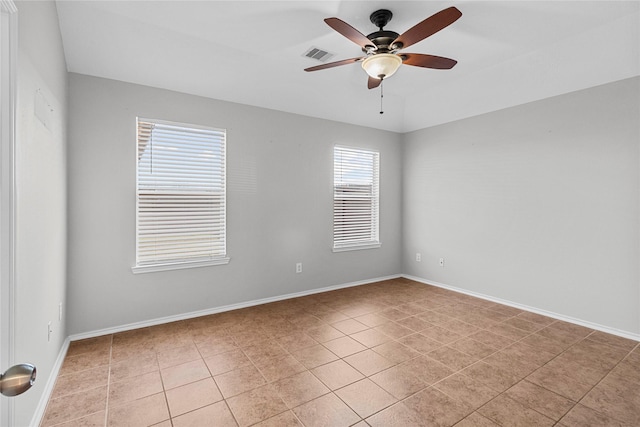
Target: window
355 199
181 196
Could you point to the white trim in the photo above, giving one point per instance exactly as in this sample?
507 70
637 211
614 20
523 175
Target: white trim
8 73
48 388
585 323
357 247
215 310
138 269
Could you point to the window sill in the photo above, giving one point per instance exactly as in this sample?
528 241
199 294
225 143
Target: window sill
357 247
138 269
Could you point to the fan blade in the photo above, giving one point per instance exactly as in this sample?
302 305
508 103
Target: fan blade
335 64
428 27
373 82
349 32
428 61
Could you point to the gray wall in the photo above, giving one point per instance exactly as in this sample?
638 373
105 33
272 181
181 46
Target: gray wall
40 197
536 204
279 209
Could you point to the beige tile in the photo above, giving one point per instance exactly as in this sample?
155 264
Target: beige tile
282 367
472 348
535 318
581 416
216 415
436 408
296 341
616 341
80 381
476 420
368 362
135 388
178 355
285 419
256 405
372 320
542 400
142 412
566 378
452 358
395 351
427 369
134 367
326 411
337 374
239 381
496 378
420 343
394 330
617 398
548 345
365 397
522 324
74 406
349 326
90 345
314 356
398 415
440 334
324 333
225 362
414 323
259 353
460 327
299 388
492 340
344 346
466 389
132 351
506 411
371 338
219 344
94 420
185 373
400 381
192 396
394 314
84 361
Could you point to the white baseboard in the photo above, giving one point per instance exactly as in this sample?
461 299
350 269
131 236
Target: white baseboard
585 323
215 310
48 388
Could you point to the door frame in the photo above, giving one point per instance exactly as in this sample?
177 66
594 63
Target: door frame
8 74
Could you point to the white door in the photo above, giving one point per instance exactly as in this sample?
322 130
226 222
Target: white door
13 379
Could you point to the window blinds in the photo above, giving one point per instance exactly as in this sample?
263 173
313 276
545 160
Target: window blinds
181 193
355 198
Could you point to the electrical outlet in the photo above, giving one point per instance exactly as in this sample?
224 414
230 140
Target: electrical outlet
418 257
299 267
49 330
441 262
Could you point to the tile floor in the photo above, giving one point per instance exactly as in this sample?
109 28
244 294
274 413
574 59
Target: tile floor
394 353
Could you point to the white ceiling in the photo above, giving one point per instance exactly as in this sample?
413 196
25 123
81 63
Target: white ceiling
251 52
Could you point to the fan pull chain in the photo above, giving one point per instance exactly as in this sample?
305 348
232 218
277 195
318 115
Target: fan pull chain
381 96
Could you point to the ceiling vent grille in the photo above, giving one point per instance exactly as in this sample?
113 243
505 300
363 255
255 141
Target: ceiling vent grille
318 54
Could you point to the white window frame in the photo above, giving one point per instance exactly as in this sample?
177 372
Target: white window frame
366 162
145 262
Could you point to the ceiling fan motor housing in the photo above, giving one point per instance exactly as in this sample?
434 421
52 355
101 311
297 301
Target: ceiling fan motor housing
382 39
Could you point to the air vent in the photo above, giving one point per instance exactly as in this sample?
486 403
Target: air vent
318 54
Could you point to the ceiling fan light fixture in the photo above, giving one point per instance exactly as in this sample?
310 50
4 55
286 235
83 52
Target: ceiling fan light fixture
382 65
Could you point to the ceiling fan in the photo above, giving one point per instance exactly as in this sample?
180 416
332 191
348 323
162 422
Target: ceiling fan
382 47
